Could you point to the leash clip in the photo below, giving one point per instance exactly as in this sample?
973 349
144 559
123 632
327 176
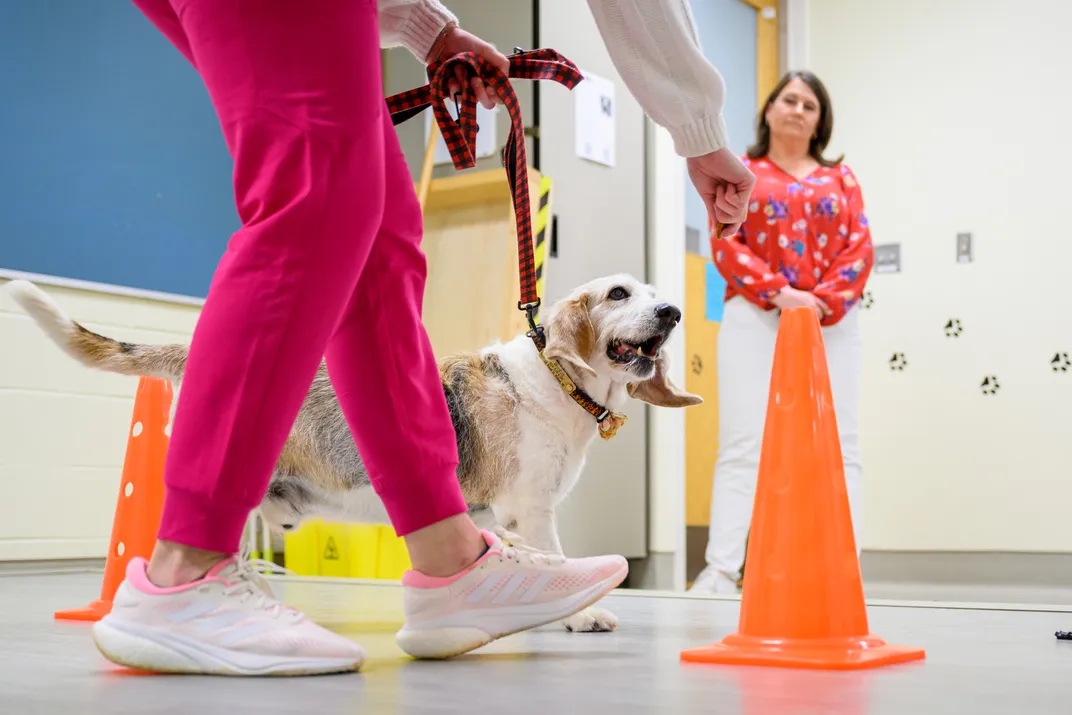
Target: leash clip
535 331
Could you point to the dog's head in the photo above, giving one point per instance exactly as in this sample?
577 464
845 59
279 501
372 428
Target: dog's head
616 328
285 504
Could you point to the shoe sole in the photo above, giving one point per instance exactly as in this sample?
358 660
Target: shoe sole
450 641
174 655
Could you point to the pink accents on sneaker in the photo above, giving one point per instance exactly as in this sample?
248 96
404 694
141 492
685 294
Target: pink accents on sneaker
227 623
138 577
416 579
521 589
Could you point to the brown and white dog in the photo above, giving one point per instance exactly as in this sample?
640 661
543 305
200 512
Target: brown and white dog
522 439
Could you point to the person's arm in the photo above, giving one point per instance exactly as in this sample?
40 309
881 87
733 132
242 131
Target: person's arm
749 274
656 50
413 24
842 284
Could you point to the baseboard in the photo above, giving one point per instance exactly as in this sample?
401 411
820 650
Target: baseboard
52 549
50 566
940 568
655 572
957 568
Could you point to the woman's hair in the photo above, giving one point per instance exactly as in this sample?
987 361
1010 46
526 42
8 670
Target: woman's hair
824 129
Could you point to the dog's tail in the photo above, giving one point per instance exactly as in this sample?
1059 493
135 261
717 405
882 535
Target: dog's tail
89 348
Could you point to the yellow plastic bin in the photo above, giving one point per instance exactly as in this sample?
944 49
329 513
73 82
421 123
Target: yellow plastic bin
320 548
300 550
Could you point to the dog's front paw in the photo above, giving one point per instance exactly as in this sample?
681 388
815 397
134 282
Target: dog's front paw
591 620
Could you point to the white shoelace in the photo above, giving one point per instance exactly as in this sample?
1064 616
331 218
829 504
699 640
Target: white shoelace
260 565
245 587
251 583
514 547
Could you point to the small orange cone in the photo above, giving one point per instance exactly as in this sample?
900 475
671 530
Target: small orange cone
803 599
141 494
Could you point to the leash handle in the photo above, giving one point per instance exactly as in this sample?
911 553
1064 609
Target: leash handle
460 136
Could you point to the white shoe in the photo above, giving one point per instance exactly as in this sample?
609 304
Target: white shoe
713 581
227 623
511 588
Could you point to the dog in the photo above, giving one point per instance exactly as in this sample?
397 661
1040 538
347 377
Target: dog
523 420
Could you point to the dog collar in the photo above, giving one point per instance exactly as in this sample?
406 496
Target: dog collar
608 421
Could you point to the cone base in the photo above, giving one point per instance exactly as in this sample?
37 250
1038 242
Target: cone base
93 612
817 654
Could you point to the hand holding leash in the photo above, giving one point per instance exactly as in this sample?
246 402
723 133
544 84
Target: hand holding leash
454 41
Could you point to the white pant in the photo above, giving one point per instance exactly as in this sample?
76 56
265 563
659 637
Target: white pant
745 355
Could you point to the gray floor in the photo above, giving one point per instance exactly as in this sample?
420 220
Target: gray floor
998 659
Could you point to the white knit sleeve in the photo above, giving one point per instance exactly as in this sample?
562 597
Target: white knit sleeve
414 24
655 49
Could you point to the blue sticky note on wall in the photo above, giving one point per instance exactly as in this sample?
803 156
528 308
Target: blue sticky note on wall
714 293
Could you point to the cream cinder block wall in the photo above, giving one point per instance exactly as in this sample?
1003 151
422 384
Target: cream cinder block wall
63 427
954 118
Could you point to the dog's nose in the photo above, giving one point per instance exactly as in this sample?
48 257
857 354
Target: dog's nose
668 313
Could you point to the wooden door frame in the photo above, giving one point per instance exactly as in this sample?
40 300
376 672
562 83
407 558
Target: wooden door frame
767 47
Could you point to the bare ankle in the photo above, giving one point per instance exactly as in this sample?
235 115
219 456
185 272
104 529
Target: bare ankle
446 547
175 564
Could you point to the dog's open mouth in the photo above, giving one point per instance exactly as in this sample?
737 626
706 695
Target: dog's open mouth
622 351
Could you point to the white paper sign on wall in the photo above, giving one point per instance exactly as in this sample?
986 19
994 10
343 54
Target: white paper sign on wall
594 105
485 136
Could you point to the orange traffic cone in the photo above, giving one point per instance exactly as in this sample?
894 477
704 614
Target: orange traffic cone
141 493
803 600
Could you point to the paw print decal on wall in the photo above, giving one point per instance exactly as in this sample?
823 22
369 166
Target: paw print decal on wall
898 362
1060 362
953 328
867 299
697 365
990 385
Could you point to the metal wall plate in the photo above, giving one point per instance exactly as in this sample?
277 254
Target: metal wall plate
964 248
888 258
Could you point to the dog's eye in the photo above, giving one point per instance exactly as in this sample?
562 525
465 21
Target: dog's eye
618 293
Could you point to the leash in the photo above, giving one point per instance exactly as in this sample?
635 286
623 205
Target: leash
460 138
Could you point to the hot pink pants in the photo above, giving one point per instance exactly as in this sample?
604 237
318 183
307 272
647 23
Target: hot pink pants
327 264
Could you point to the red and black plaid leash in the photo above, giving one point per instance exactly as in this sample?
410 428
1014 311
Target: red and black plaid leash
460 138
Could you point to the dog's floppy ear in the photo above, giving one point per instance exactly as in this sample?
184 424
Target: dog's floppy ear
571 337
660 390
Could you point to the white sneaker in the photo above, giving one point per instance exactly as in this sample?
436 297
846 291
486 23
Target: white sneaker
228 623
712 581
510 589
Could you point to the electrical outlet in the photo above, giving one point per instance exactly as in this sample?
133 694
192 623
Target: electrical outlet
888 258
964 248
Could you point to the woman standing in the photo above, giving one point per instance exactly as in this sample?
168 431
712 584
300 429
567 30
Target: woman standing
806 242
